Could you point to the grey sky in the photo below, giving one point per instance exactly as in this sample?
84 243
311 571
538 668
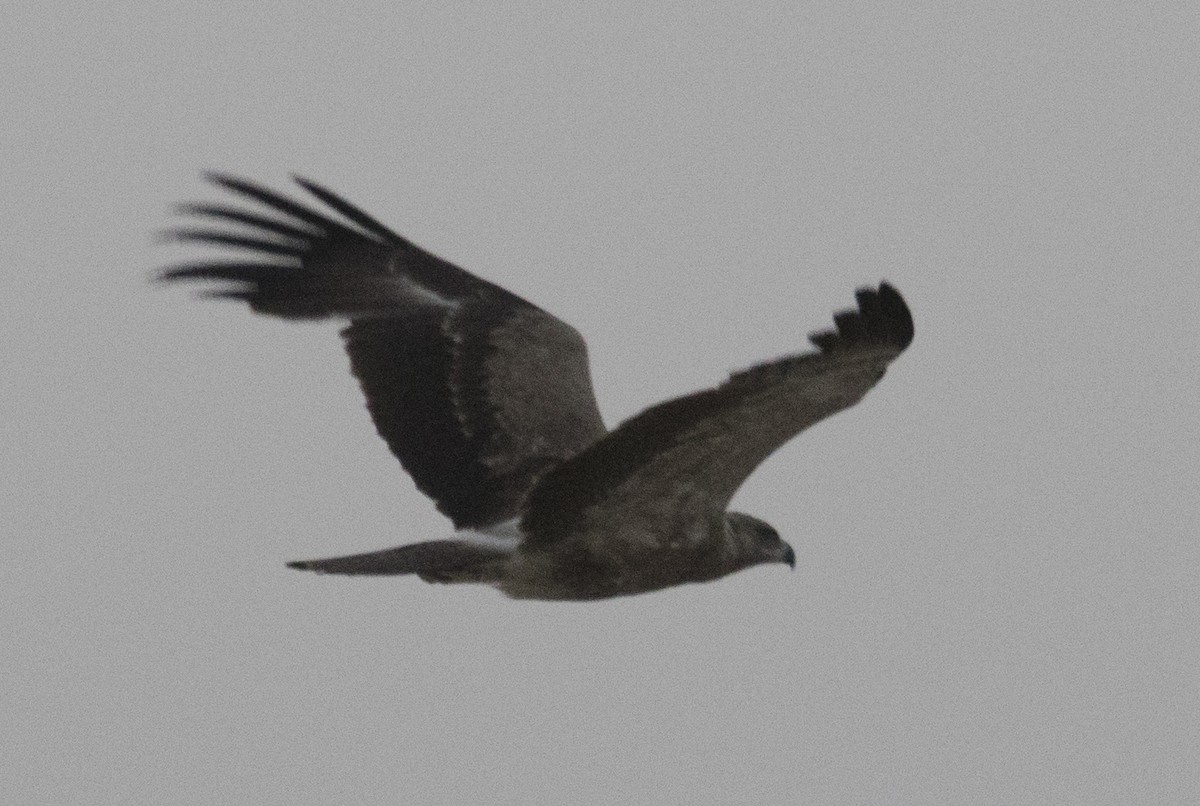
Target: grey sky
996 599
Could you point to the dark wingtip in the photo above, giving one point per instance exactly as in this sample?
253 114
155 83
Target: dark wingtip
882 317
302 565
226 181
174 273
367 222
896 311
223 179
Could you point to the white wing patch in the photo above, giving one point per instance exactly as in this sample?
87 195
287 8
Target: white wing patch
504 536
412 291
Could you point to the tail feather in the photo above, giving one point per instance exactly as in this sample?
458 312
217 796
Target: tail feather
433 561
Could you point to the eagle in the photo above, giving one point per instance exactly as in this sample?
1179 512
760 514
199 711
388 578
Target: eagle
487 401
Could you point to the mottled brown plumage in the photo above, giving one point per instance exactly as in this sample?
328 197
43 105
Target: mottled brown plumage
487 401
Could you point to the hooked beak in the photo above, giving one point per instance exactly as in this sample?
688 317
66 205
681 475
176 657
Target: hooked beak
789 556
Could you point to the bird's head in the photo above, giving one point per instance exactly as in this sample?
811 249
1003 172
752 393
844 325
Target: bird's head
759 541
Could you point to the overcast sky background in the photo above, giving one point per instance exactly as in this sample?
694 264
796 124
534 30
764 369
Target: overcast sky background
997 596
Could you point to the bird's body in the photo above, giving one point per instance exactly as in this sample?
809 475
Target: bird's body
487 401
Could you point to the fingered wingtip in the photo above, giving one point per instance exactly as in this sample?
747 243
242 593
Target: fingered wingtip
220 178
897 310
882 317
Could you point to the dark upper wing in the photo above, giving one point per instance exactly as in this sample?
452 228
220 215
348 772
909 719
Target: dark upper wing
475 390
694 452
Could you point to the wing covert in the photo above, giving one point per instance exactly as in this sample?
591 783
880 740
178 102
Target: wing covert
476 390
697 450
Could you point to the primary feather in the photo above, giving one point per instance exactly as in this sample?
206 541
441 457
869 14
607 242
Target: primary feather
487 401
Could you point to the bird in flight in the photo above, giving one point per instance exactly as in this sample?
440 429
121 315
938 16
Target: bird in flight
487 402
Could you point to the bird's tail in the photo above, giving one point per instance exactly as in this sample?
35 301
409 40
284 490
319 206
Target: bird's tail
433 561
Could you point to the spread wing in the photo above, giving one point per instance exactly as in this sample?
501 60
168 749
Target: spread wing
474 389
681 461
